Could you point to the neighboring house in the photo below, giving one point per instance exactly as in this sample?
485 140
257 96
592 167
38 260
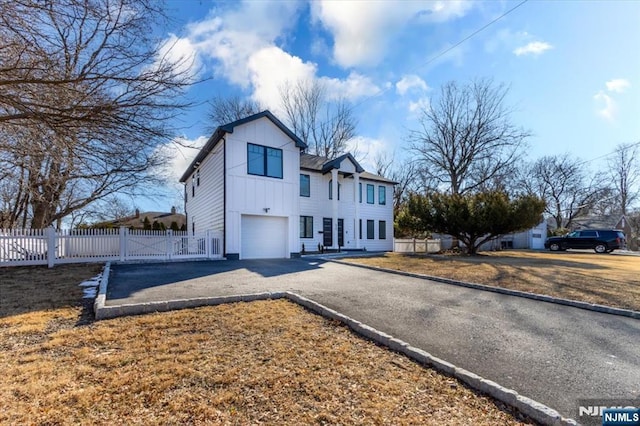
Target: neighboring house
137 221
253 182
533 238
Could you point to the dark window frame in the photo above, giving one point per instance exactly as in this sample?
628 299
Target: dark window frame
371 200
360 225
265 158
308 185
382 229
304 221
382 195
371 226
360 192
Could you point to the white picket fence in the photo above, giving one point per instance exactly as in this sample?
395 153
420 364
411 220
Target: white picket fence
50 246
412 245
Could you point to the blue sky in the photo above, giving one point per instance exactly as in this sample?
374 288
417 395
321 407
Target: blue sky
573 67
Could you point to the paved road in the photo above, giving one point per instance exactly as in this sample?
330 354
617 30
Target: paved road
551 353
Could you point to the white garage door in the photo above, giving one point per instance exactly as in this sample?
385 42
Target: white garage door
263 237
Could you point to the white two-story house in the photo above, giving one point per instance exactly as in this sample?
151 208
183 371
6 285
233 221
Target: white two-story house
254 183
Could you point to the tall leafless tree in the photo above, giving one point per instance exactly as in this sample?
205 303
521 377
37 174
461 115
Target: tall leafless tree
466 138
563 182
86 96
624 168
324 126
227 110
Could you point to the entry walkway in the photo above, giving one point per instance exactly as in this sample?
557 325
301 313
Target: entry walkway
554 354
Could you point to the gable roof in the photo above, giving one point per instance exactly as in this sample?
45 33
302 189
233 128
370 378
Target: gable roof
323 165
598 222
335 163
220 131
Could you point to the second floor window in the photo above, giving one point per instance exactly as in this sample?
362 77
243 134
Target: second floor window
264 161
382 195
370 194
305 186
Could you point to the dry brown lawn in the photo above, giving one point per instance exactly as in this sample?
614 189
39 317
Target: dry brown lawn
612 280
267 362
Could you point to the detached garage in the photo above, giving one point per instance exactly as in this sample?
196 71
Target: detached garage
263 237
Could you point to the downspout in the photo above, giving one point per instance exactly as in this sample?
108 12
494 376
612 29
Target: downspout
224 197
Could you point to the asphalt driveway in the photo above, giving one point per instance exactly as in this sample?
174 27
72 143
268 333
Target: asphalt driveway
551 353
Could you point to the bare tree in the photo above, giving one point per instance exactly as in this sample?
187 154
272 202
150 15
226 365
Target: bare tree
466 138
324 126
565 186
227 110
624 168
86 95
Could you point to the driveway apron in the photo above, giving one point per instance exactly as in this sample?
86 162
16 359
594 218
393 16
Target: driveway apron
555 354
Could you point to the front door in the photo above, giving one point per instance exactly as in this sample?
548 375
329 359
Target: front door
341 232
327 232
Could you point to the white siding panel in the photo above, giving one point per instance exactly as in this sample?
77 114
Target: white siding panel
206 208
252 195
318 206
264 237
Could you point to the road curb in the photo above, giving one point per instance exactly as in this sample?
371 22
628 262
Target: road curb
540 297
527 406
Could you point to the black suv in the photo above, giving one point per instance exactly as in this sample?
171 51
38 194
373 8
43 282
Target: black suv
600 240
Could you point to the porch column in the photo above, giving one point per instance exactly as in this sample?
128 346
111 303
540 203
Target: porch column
334 205
357 195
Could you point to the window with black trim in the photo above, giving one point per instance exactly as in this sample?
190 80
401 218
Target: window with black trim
305 185
382 195
264 161
198 177
370 229
360 226
360 196
306 226
371 194
193 186
382 230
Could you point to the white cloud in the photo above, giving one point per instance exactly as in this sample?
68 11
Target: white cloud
354 87
270 68
241 44
618 85
533 48
421 104
362 30
608 107
366 150
232 36
179 53
409 82
180 153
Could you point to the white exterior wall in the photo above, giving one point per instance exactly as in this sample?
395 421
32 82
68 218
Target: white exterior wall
319 206
251 195
377 212
206 208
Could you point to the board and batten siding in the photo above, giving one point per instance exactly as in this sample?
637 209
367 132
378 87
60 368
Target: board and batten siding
260 195
205 209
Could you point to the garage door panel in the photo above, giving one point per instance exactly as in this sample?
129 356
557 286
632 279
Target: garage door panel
263 237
